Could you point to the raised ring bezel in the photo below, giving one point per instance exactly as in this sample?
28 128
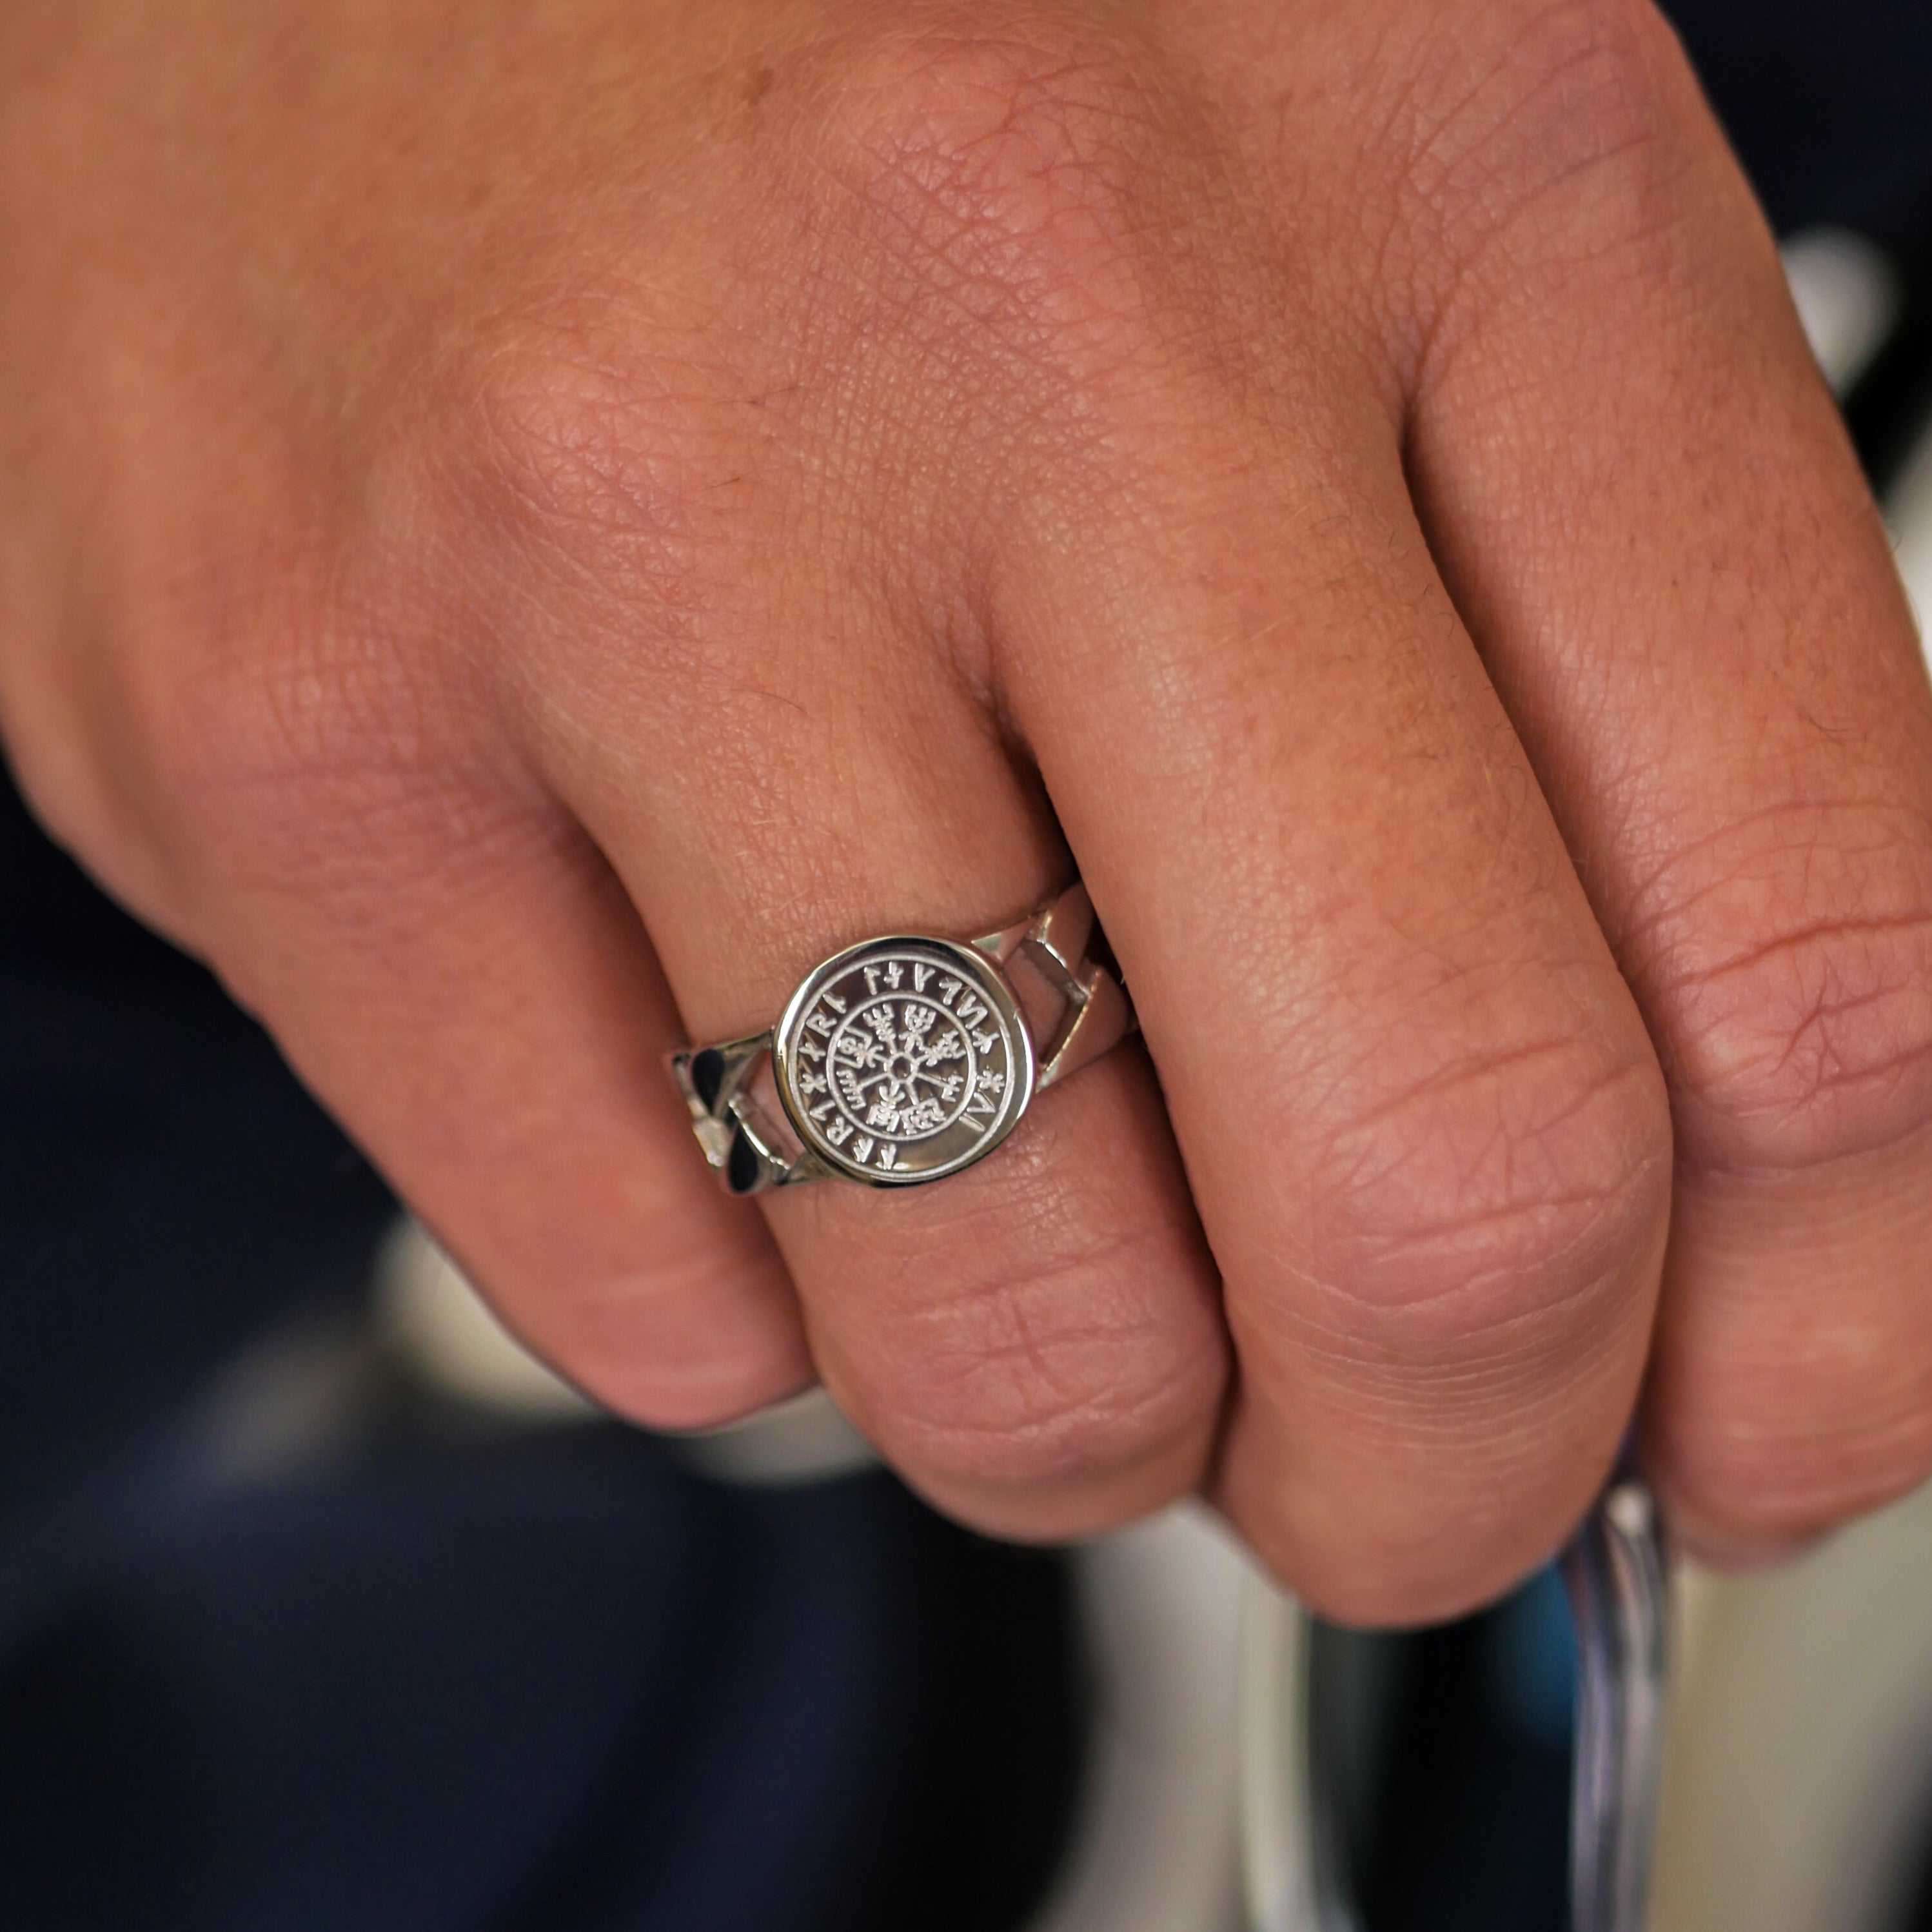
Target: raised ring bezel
959 1147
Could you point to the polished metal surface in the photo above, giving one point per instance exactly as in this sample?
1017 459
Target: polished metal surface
1615 1571
1298 1744
903 1059
906 1058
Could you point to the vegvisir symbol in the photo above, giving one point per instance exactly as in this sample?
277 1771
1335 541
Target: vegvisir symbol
904 1064
893 1079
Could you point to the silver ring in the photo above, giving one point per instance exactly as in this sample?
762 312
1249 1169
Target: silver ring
906 1058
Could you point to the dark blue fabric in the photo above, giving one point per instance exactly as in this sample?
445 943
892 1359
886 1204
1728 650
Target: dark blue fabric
166 1187
1829 104
538 1684
549 1685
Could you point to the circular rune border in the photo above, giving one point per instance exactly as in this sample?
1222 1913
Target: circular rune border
903 1059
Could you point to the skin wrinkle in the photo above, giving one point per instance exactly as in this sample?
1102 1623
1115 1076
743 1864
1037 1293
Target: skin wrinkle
1412 1048
1494 1072
1503 1386
1638 927
1021 1441
1403 1071
1881 1071
1797 977
974 1420
992 1313
1503 1375
1067 1245
1814 1023
1050 1386
1801 941
1477 1301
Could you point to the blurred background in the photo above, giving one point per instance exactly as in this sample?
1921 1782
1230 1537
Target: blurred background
321 1606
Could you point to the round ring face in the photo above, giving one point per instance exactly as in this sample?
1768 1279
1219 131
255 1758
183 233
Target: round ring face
903 1059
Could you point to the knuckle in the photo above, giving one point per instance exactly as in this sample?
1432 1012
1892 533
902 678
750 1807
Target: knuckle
274 708
1507 1190
1559 127
1793 963
993 164
311 763
297 747
601 477
949 201
1590 66
581 442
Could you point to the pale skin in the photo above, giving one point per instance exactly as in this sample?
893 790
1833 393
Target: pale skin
526 525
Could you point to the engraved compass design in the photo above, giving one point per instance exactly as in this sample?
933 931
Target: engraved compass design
902 1060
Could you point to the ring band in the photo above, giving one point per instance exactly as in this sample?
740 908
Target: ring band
906 1058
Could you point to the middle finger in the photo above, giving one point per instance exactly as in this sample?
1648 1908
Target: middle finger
1422 1119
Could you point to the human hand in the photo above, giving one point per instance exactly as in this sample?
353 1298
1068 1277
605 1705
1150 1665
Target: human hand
526 527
